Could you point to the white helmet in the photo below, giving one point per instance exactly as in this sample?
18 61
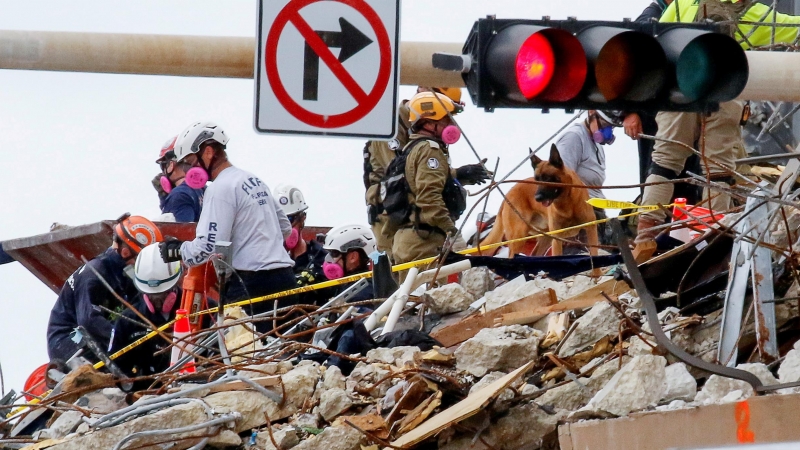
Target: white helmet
348 237
190 139
290 199
152 274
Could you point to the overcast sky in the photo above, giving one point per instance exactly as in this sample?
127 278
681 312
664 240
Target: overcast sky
79 148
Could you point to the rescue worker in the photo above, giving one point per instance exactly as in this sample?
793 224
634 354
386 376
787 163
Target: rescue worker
349 248
378 155
722 140
180 200
83 294
581 147
239 208
157 281
423 228
308 256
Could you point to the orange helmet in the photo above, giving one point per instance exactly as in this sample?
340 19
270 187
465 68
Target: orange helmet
136 232
168 150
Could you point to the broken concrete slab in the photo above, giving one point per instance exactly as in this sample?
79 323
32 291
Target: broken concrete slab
639 384
333 402
398 356
569 397
681 385
723 390
298 386
104 401
333 378
254 407
497 349
601 321
477 281
761 371
448 299
789 371
285 436
225 439
337 437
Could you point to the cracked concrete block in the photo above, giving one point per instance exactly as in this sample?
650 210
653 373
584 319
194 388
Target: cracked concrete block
226 438
448 299
334 402
569 397
601 321
761 371
723 390
681 385
789 371
299 385
503 348
337 437
397 356
65 424
333 378
477 281
639 384
253 406
285 436
104 401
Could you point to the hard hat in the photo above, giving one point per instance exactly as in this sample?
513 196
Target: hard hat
453 93
431 106
349 237
151 274
167 150
137 232
615 118
190 139
290 198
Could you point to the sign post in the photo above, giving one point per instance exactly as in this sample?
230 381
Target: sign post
327 67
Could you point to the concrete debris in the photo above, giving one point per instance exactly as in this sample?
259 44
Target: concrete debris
286 438
103 401
337 437
477 281
333 403
761 371
789 371
298 386
639 384
64 425
723 390
569 397
490 378
601 321
448 299
503 348
365 375
397 356
333 378
307 420
681 385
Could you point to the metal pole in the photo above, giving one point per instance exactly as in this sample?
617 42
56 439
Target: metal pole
767 158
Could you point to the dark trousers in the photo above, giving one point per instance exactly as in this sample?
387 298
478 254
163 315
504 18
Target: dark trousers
248 285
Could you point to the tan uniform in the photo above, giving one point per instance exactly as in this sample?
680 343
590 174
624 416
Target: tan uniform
723 144
427 170
378 155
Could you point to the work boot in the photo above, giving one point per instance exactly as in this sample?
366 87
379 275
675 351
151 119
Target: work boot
643 233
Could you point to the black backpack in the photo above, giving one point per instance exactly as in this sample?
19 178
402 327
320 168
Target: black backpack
394 190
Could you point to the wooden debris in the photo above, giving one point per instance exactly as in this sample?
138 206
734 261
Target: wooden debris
557 326
420 413
470 326
583 300
644 251
370 422
438 356
412 397
461 410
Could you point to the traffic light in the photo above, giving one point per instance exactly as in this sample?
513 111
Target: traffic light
573 64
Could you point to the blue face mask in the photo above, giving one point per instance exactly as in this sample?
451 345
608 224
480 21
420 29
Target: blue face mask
604 136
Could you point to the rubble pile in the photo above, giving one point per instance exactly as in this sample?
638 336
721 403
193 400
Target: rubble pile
584 356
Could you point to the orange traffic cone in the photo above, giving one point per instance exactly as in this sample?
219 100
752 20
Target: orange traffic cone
181 329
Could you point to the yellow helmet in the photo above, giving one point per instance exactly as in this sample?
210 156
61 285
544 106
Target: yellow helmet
453 92
431 106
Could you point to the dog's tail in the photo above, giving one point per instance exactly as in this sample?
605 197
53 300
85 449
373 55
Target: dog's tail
496 234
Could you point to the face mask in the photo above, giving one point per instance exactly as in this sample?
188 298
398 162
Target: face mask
166 185
196 178
292 240
166 307
451 134
332 271
604 136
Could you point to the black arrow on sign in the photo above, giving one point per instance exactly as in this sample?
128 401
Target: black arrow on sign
350 40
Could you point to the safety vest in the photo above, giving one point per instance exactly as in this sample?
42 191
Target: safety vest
748 36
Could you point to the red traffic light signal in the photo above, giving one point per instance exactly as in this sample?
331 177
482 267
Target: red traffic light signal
598 65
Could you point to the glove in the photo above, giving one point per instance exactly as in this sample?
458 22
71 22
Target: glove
473 174
170 250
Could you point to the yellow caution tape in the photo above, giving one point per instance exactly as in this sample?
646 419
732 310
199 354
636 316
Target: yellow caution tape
354 278
33 401
602 203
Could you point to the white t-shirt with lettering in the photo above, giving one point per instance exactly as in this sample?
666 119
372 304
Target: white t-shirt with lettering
238 207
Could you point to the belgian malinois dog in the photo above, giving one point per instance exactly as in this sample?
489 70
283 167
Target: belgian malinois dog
545 207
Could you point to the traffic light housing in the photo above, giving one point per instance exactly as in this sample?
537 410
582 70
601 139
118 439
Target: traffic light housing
573 64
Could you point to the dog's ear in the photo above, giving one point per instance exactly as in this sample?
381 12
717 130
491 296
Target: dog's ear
555 157
535 160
